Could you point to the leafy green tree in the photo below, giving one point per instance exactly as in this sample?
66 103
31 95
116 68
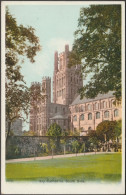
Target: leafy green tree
54 130
20 42
93 139
53 145
97 46
64 140
83 148
44 147
118 131
118 128
106 130
75 145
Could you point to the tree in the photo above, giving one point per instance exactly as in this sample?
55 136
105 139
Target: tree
93 139
97 46
54 130
44 147
118 128
17 100
20 41
106 130
75 146
64 140
53 145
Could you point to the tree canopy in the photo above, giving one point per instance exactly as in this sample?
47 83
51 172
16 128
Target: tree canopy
54 130
75 146
97 46
118 128
93 138
106 130
20 42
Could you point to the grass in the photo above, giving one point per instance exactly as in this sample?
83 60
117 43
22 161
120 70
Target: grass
100 167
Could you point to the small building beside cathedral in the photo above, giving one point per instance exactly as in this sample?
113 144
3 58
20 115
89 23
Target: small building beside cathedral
67 109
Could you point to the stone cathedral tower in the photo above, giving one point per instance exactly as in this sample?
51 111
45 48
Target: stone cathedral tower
39 114
66 81
67 110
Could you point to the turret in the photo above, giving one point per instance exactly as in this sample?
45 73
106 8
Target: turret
46 88
54 75
66 55
35 89
66 48
56 61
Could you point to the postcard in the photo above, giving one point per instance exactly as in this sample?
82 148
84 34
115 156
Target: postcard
63 97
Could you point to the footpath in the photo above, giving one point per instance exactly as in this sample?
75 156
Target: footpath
55 156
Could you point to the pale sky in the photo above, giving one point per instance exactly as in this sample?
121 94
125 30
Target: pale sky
55 26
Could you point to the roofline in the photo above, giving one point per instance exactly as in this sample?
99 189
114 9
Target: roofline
91 100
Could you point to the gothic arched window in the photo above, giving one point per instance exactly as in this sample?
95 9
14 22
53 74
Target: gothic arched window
90 116
75 118
97 115
104 104
112 103
82 117
116 113
89 106
106 114
82 108
96 105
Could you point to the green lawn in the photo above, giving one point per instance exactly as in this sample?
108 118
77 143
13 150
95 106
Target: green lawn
99 167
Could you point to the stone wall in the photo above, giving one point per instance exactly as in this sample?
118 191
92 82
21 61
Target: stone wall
29 146
26 146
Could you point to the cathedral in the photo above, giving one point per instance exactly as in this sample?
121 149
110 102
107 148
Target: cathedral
67 109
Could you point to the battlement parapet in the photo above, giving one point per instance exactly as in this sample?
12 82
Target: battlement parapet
47 78
35 83
66 47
